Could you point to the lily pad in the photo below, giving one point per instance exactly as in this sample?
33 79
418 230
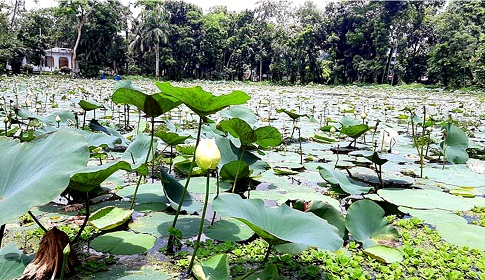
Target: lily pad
123 243
109 217
460 234
37 172
425 199
280 225
384 254
157 224
229 230
366 222
216 267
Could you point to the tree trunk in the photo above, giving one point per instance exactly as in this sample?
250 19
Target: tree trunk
157 61
47 263
79 28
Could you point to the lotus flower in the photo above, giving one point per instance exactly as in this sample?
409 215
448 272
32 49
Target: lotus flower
207 155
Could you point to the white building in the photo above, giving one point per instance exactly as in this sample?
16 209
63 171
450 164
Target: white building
53 60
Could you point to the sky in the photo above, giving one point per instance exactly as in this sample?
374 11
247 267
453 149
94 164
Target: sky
232 5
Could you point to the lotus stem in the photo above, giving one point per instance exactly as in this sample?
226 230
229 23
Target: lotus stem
301 149
261 265
37 221
184 192
201 225
78 235
217 195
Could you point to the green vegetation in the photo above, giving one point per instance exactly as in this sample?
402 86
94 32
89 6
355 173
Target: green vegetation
346 42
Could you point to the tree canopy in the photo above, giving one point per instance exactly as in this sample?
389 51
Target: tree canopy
437 42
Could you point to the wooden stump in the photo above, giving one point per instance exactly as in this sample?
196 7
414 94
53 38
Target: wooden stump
47 263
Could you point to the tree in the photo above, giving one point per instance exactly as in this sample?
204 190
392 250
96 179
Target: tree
152 30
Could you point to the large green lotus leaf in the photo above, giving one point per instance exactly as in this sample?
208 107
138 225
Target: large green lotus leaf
325 211
123 243
203 103
171 138
229 153
157 224
12 262
366 222
89 105
241 113
266 136
35 173
337 178
384 254
425 199
92 176
173 191
279 225
137 152
434 216
229 230
95 139
152 105
460 234
455 144
109 217
216 268
235 168
354 131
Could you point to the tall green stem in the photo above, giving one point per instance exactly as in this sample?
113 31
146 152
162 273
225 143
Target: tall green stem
184 192
201 225
37 221
150 148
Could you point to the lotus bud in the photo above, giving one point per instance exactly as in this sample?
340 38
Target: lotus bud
333 130
5 119
58 119
363 115
207 155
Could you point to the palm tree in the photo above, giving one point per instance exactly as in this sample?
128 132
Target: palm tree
151 31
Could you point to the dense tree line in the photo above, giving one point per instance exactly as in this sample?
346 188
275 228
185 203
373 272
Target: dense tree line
437 42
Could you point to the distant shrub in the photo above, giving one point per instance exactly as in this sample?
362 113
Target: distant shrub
65 70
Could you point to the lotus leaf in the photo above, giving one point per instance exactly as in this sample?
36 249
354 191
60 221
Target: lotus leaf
235 168
366 222
280 225
89 105
348 185
239 112
425 199
215 267
157 224
173 191
291 114
12 262
229 230
37 172
384 254
203 103
455 144
123 243
152 105
109 217
266 136
325 211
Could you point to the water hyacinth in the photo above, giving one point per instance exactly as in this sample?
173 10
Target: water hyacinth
207 155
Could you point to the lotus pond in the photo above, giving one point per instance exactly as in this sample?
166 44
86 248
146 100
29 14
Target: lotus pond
306 182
